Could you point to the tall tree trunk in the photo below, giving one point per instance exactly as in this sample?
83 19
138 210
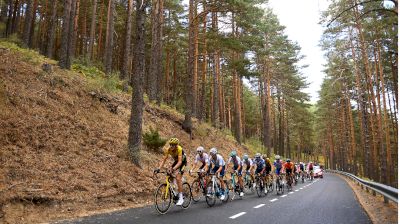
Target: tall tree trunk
127 50
72 33
99 49
9 19
389 170
135 124
155 74
74 26
52 31
28 22
108 55
32 31
175 78
65 35
93 28
202 97
43 24
195 59
187 124
166 81
15 17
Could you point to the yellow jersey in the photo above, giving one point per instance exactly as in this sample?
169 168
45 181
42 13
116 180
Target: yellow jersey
175 153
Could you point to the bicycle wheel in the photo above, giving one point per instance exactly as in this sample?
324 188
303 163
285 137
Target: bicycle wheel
187 195
162 199
211 194
259 187
270 185
248 186
226 190
197 191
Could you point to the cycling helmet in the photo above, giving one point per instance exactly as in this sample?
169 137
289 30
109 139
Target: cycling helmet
267 159
233 153
200 149
245 157
213 151
173 141
258 155
277 157
287 160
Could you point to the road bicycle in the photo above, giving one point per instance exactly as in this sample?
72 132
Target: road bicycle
296 178
248 183
167 193
214 191
260 185
302 176
311 176
270 183
289 181
234 186
279 184
199 186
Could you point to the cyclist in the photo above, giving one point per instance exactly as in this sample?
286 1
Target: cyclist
278 165
259 164
237 168
289 168
177 153
268 168
202 158
301 167
310 169
219 168
249 167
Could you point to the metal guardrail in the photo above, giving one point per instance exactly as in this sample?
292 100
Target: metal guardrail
387 192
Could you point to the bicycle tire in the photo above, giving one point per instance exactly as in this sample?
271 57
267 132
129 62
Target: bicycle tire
224 190
196 191
259 188
210 200
187 195
160 192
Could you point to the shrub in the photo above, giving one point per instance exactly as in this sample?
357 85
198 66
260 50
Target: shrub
153 141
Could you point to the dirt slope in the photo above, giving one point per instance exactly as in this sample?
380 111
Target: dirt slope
63 144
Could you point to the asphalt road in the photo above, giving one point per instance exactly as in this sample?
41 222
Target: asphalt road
327 200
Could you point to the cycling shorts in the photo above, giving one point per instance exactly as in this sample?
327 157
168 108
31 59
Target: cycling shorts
182 166
239 171
222 173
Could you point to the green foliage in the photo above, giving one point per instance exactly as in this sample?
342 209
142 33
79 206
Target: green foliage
97 79
202 130
255 145
14 44
152 140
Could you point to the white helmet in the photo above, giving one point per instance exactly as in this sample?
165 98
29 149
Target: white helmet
200 149
277 157
258 155
213 151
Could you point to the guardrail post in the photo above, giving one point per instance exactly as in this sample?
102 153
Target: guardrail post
385 200
374 193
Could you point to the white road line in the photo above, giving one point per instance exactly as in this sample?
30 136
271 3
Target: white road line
237 215
291 192
259 206
301 188
296 190
283 195
275 199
